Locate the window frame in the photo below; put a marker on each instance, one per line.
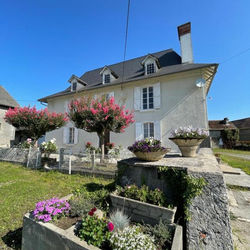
(150, 129)
(150, 68)
(149, 98)
(108, 77)
(71, 139)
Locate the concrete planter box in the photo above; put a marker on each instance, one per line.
(44, 236)
(142, 212)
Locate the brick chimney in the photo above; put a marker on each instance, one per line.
(184, 33)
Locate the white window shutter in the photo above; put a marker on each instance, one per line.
(137, 98)
(157, 95)
(65, 135)
(66, 106)
(157, 130)
(76, 136)
(138, 131)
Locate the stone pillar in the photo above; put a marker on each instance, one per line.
(61, 157)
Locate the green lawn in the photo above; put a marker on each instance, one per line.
(232, 151)
(237, 162)
(21, 188)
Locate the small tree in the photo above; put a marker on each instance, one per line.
(230, 137)
(34, 123)
(100, 116)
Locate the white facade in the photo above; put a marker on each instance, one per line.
(176, 102)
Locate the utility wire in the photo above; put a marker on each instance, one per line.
(236, 55)
(126, 40)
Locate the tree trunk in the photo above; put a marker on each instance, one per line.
(102, 144)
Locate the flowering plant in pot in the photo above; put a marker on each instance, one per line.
(148, 149)
(188, 139)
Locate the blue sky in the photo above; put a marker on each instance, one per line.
(44, 42)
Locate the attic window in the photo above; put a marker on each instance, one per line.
(107, 78)
(74, 84)
(150, 68)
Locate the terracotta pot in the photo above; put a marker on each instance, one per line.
(188, 146)
(152, 156)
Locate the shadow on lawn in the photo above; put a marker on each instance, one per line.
(13, 239)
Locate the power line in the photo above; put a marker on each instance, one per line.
(126, 40)
(236, 55)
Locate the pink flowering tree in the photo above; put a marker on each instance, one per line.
(100, 116)
(34, 123)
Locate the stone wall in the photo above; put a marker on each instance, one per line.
(209, 227)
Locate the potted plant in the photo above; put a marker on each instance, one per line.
(148, 149)
(188, 139)
(48, 148)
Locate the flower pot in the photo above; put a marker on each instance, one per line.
(152, 156)
(188, 146)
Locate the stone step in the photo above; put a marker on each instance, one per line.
(229, 170)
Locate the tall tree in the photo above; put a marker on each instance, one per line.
(34, 123)
(100, 116)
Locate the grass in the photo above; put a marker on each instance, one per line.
(237, 162)
(21, 188)
(231, 151)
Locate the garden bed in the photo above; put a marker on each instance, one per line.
(141, 211)
(49, 236)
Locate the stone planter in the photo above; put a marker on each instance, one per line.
(152, 156)
(44, 236)
(188, 147)
(142, 212)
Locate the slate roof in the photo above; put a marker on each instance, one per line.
(7, 100)
(220, 125)
(169, 60)
(242, 123)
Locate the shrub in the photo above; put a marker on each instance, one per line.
(230, 137)
(51, 209)
(80, 206)
(146, 145)
(120, 220)
(161, 232)
(48, 147)
(132, 238)
(156, 197)
(28, 143)
(95, 231)
(189, 133)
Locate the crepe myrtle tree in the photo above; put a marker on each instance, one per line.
(100, 116)
(35, 123)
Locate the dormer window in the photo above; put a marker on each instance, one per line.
(107, 78)
(74, 85)
(150, 68)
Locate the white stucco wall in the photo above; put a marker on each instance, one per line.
(7, 132)
(181, 105)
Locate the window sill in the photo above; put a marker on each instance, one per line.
(147, 110)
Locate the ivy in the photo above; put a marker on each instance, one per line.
(184, 187)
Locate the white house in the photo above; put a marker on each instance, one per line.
(165, 90)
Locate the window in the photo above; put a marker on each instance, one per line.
(148, 98)
(71, 135)
(148, 129)
(107, 78)
(74, 84)
(150, 68)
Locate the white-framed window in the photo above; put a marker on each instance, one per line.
(74, 86)
(71, 135)
(107, 78)
(148, 129)
(150, 68)
(148, 98)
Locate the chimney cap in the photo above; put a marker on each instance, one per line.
(184, 29)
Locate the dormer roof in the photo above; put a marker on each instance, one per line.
(111, 71)
(152, 57)
(79, 80)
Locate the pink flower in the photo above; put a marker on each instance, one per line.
(110, 226)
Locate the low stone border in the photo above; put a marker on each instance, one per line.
(143, 212)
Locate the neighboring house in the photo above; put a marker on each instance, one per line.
(163, 88)
(7, 132)
(244, 129)
(215, 128)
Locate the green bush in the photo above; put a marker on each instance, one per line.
(80, 206)
(230, 137)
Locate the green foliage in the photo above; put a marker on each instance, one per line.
(183, 186)
(80, 206)
(48, 147)
(162, 233)
(230, 137)
(143, 194)
(94, 231)
(120, 220)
